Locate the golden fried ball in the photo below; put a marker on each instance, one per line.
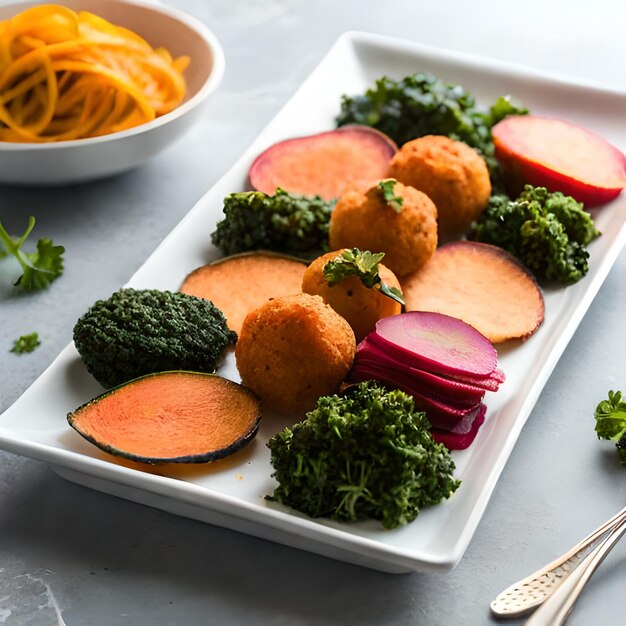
(408, 236)
(451, 173)
(359, 305)
(292, 350)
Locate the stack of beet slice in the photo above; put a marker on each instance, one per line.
(445, 364)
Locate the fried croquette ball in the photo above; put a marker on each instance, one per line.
(292, 350)
(359, 305)
(406, 233)
(451, 173)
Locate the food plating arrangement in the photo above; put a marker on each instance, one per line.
(358, 292)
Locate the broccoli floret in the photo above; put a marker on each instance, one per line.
(421, 104)
(137, 332)
(610, 418)
(546, 231)
(364, 454)
(284, 222)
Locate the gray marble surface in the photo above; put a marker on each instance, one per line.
(71, 555)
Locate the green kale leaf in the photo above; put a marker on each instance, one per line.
(285, 222)
(610, 418)
(364, 454)
(26, 343)
(547, 232)
(39, 268)
(364, 265)
(422, 104)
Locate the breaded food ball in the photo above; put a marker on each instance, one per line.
(292, 350)
(359, 305)
(406, 232)
(451, 173)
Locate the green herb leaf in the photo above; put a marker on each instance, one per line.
(547, 232)
(26, 343)
(285, 222)
(389, 196)
(421, 104)
(364, 265)
(610, 418)
(41, 267)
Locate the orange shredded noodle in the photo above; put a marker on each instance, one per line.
(67, 75)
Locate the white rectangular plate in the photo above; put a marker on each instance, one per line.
(231, 493)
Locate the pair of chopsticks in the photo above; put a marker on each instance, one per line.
(556, 587)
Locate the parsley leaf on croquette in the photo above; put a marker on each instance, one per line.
(364, 265)
(389, 196)
(364, 454)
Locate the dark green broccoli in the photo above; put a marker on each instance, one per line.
(364, 454)
(610, 418)
(284, 222)
(422, 104)
(137, 332)
(547, 232)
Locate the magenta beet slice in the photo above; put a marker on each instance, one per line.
(456, 441)
(370, 353)
(408, 382)
(437, 343)
(422, 402)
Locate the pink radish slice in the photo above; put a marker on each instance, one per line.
(437, 343)
(369, 353)
(454, 441)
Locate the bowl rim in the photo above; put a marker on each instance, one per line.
(213, 80)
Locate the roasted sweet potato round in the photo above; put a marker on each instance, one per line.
(452, 174)
(240, 283)
(481, 284)
(359, 305)
(407, 234)
(292, 350)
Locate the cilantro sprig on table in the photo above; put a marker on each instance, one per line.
(40, 267)
(26, 343)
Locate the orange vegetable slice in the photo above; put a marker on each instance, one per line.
(171, 417)
(482, 285)
(240, 283)
(326, 164)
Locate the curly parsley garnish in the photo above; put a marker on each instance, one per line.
(611, 422)
(362, 264)
(367, 453)
(26, 343)
(41, 267)
(389, 196)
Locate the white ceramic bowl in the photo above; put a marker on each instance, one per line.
(88, 159)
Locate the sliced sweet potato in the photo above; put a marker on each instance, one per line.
(480, 284)
(560, 156)
(171, 417)
(325, 164)
(240, 283)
